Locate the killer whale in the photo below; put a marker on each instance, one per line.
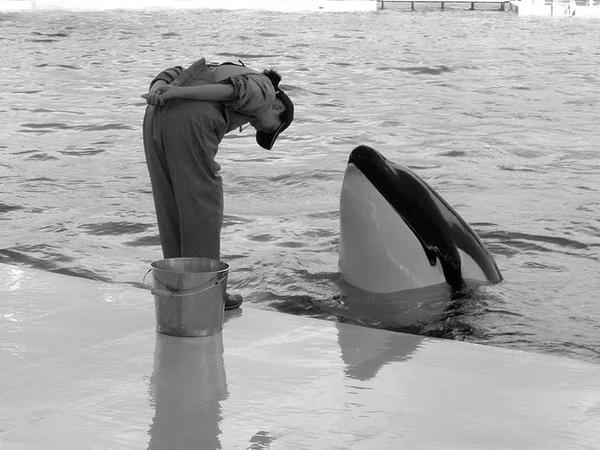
(398, 234)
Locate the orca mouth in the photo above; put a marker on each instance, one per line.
(439, 229)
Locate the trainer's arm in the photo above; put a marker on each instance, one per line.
(205, 93)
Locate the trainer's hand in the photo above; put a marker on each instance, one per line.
(158, 95)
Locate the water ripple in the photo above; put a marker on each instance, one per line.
(4, 208)
(434, 70)
(56, 126)
(114, 228)
(525, 241)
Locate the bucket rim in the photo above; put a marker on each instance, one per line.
(224, 266)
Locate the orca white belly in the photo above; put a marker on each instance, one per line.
(378, 251)
(398, 234)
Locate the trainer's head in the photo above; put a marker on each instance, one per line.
(276, 119)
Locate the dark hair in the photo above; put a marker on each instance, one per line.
(274, 77)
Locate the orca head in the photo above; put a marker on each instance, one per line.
(397, 233)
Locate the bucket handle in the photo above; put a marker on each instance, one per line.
(196, 291)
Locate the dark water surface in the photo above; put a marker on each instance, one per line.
(498, 113)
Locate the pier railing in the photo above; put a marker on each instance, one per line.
(503, 3)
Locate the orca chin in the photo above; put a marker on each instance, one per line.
(398, 234)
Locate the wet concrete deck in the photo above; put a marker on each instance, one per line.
(82, 367)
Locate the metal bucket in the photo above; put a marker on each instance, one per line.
(189, 296)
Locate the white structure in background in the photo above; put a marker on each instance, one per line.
(272, 5)
(555, 8)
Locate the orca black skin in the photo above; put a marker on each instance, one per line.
(440, 230)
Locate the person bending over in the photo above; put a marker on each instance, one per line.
(188, 114)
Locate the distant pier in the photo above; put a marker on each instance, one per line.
(502, 3)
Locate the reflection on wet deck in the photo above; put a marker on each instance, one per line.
(81, 367)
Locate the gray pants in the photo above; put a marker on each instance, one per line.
(181, 140)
